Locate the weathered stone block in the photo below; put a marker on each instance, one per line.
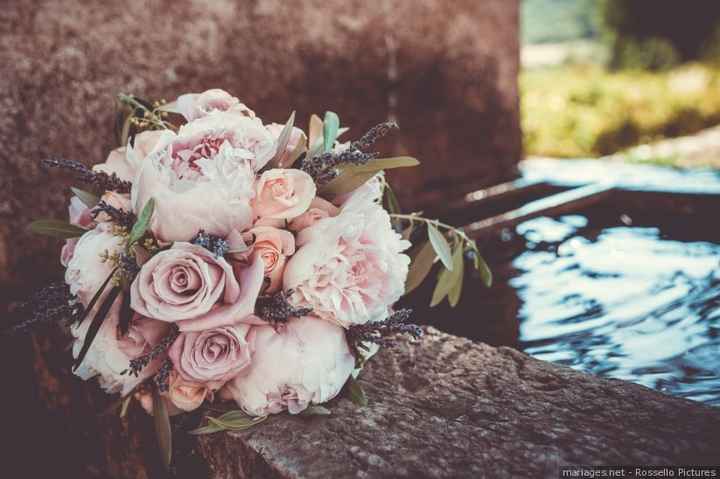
(446, 70)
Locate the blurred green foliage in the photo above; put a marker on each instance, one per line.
(580, 111)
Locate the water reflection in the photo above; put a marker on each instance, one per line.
(637, 302)
(626, 303)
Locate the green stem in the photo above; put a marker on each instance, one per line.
(456, 231)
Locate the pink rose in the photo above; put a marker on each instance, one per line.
(143, 334)
(213, 356)
(319, 209)
(283, 194)
(349, 269)
(183, 282)
(187, 284)
(197, 105)
(87, 270)
(297, 140)
(305, 361)
(110, 354)
(185, 395)
(203, 177)
(272, 246)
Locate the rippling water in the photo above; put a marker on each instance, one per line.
(627, 302)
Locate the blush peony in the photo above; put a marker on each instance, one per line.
(203, 177)
(197, 105)
(305, 361)
(110, 354)
(350, 268)
(86, 269)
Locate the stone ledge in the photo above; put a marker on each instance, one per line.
(447, 407)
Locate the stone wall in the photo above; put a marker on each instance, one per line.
(446, 70)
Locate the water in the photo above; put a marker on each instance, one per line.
(638, 303)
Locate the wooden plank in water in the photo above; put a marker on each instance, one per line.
(560, 203)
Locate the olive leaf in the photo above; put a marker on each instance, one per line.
(459, 273)
(357, 394)
(331, 124)
(238, 421)
(96, 296)
(485, 274)
(353, 176)
(209, 429)
(442, 247)
(125, 405)
(96, 324)
(300, 148)
(282, 141)
(420, 267)
(315, 131)
(449, 279)
(141, 225)
(126, 314)
(161, 418)
(56, 229)
(88, 199)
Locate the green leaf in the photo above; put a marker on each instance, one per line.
(96, 296)
(357, 394)
(442, 247)
(236, 423)
(459, 273)
(316, 410)
(56, 229)
(379, 164)
(420, 267)
(331, 124)
(315, 139)
(142, 223)
(89, 199)
(393, 205)
(442, 287)
(282, 141)
(485, 274)
(353, 176)
(295, 154)
(209, 429)
(161, 418)
(125, 405)
(96, 324)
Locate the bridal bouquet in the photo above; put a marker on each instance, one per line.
(215, 257)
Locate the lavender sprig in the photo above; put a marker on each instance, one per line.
(101, 180)
(51, 303)
(162, 377)
(215, 244)
(378, 332)
(120, 217)
(275, 308)
(324, 167)
(139, 363)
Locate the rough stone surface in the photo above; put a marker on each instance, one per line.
(446, 70)
(446, 407)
